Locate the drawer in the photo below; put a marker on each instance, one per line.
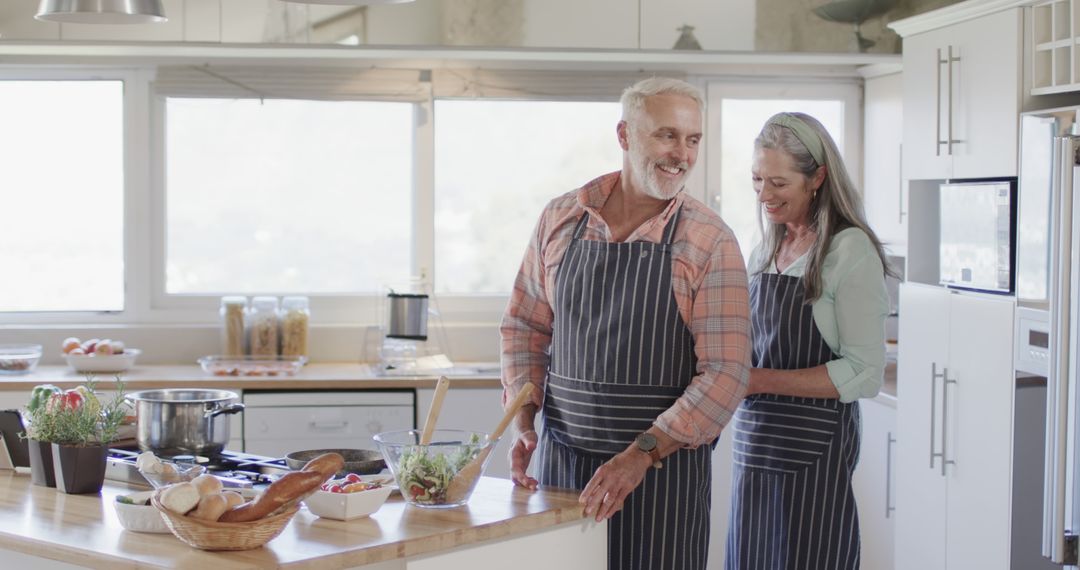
(324, 423)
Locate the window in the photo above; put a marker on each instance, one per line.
(497, 163)
(736, 115)
(287, 196)
(62, 190)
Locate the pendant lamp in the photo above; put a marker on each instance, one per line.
(101, 11)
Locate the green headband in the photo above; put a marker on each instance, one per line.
(803, 132)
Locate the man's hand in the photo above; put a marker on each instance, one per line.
(613, 482)
(520, 456)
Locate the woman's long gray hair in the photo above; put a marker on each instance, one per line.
(835, 207)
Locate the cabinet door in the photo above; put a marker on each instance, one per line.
(979, 417)
(986, 89)
(925, 107)
(477, 409)
(920, 486)
(874, 483)
(882, 183)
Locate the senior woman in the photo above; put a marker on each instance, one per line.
(818, 307)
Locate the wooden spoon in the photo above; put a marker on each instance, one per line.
(433, 411)
(466, 477)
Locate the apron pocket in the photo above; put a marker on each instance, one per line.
(777, 433)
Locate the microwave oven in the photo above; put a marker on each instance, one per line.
(977, 234)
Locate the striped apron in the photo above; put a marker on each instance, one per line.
(792, 505)
(620, 356)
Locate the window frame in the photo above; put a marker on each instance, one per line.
(134, 81)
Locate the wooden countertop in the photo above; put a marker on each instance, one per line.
(84, 530)
(316, 376)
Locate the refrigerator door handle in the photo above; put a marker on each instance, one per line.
(1057, 381)
(945, 461)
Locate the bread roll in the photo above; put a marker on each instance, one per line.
(234, 499)
(291, 487)
(210, 507)
(207, 484)
(180, 498)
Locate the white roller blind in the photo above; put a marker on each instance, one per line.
(311, 83)
(537, 84)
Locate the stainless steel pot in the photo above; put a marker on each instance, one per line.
(184, 421)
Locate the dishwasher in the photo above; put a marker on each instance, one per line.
(279, 422)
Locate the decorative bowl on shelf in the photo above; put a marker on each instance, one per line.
(435, 475)
(19, 358)
(252, 365)
(103, 362)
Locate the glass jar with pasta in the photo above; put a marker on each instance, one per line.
(294, 326)
(233, 310)
(263, 326)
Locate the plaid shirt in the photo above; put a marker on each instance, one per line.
(710, 286)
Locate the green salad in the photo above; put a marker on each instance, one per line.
(426, 478)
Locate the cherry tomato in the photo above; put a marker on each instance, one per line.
(352, 478)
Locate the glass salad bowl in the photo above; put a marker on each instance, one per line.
(438, 475)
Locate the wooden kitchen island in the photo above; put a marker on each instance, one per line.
(41, 527)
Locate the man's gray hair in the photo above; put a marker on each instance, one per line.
(633, 98)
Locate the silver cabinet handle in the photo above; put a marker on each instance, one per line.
(951, 140)
(340, 424)
(937, 104)
(933, 411)
(889, 441)
(945, 419)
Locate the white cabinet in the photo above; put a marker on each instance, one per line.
(886, 209)
(962, 97)
(954, 420)
(478, 409)
(874, 482)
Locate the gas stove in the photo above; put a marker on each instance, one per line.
(235, 469)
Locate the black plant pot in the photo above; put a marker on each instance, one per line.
(79, 470)
(41, 463)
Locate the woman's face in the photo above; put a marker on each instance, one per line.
(783, 191)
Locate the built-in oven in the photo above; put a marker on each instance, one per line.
(279, 422)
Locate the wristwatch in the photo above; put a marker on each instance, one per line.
(646, 442)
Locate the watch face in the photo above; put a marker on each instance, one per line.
(646, 442)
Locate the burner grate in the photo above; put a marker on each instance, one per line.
(235, 469)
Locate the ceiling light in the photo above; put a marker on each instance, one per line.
(349, 2)
(101, 11)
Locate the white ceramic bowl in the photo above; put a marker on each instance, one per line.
(346, 506)
(103, 363)
(142, 516)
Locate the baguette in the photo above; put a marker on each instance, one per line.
(328, 464)
(289, 488)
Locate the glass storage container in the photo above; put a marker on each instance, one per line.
(233, 309)
(263, 326)
(294, 326)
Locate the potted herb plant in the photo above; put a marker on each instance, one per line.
(79, 427)
(40, 432)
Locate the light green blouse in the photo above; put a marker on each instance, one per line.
(850, 313)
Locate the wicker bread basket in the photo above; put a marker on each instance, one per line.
(212, 535)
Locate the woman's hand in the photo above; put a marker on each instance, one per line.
(613, 482)
(520, 456)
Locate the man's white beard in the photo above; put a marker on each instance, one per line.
(646, 178)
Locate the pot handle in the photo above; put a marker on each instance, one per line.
(230, 409)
